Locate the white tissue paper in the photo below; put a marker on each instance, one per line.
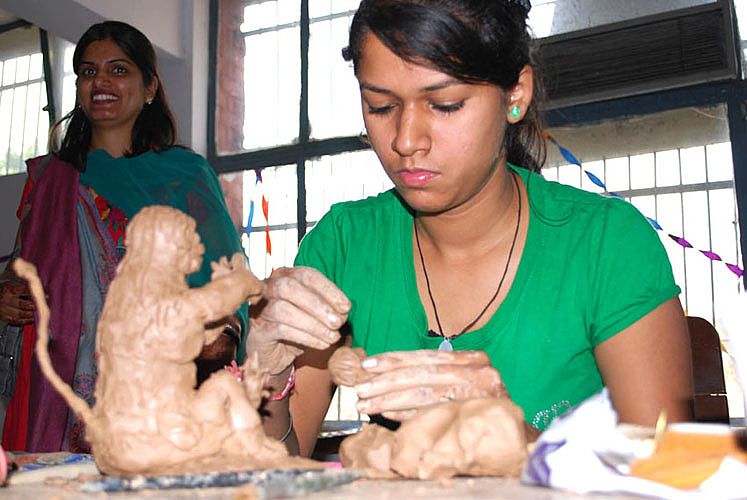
(585, 451)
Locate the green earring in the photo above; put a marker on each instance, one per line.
(515, 112)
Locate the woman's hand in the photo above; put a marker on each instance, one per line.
(16, 306)
(300, 309)
(403, 382)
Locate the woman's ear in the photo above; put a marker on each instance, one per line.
(519, 97)
(151, 89)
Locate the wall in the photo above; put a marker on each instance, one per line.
(679, 128)
(179, 32)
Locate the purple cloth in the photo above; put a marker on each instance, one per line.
(49, 240)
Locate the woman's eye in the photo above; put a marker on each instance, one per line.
(119, 70)
(380, 110)
(449, 108)
(87, 72)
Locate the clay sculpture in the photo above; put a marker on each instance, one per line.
(148, 418)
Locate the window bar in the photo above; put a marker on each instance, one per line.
(304, 127)
(656, 182)
(710, 239)
(13, 25)
(630, 180)
(10, 129)
(738, 248)
(50, 107)
(682, 218)
(25, 114)
(604, 173)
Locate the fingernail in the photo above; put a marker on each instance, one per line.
(369, 363)
(363, 388)
(333, 318)
(362, 405)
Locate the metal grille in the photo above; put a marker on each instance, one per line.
(690, 192)
(23, 121)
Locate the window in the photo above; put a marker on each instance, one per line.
(676, 167)
(24, 123)
(24, 114)
(287, 105)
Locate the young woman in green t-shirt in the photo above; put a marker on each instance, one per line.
(450, 97)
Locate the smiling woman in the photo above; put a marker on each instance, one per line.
(117, 155)
(111, 89)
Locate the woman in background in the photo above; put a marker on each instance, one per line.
(117, 155)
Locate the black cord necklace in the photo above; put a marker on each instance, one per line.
(446, 343)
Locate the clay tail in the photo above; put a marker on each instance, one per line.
(27, 271)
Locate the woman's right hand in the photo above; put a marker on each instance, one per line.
(16, 306)
(300, 309)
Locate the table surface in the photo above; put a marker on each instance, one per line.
(475, 488)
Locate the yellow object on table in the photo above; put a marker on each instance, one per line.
(688, 454)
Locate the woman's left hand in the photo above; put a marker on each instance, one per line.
(402, 382)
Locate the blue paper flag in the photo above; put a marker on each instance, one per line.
(248, 228)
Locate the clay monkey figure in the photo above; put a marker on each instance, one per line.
(148, 418)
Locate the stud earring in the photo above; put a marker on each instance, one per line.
(515, 112)
(149, 101)
(363, 137)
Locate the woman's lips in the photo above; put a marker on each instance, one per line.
(415, 178)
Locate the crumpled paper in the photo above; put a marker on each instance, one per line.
(585, 451)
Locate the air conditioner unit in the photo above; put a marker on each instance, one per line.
(664, 51)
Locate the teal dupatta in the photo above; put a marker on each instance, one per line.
(175, 177)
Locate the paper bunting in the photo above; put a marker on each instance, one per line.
(265, 212)
(570, 158)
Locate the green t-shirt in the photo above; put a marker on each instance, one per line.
(591, 267)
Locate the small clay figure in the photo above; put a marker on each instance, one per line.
(475, 437)
(148, 418)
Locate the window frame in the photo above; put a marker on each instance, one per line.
(292, 154)
(47, 78)
(731, 93)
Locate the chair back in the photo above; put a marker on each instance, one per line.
(709, 402)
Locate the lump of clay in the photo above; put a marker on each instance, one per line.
(473, 437)
(148, 418)
(345, 366)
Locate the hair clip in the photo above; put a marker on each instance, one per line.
(526, 5)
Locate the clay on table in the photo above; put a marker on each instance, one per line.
(472, 437)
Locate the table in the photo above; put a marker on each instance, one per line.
(473, 488)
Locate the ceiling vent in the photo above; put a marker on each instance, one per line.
(664, 51)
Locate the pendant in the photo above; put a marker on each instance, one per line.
(445, 345)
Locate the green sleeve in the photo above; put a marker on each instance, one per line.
(323, 249)
(630, 273)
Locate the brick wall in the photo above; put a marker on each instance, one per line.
(229, 113)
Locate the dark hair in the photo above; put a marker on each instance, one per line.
(476, 41)
(154, 127)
